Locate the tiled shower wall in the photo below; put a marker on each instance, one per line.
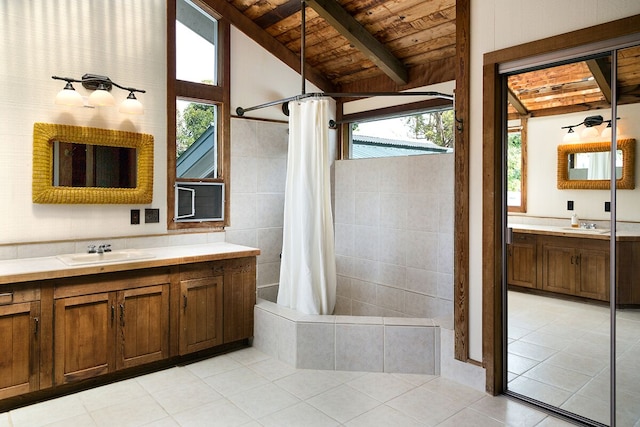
(258, 174)
(393, 224)
(394, 236)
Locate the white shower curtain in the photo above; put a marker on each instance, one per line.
(308, 269)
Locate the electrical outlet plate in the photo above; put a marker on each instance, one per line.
(135, 216)
(569, 205)
(151, 215)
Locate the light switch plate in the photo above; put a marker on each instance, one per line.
(151, 215)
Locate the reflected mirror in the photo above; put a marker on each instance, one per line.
(73, 164)
(86, 165)
(588, 166)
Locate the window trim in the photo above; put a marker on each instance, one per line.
(524, 123)
(384, 113)
(219, 94)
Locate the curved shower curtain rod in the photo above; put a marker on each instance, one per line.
(240, 111)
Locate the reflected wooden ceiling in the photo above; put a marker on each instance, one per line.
(580, 86)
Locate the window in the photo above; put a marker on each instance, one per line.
(517, 167)
(429, 132)
(198, 116)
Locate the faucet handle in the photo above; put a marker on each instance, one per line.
(106, 248)
(91, 249)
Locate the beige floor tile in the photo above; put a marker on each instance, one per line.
(382, 387)
(134, 413)
(546, 340)
(343, 403)
(299, 415)
(558, 377)
(470, 418)
(248, 356)
(186, 395)
(4, 420)
(164, 422)
(221, 413)
(383, 416)
(425, 406)
(539, 391)
(508, 411)
(111, 394)
(272, 369)
(264, 400)
(416, 379)
(594, 409)
(574, 362)
(165, 379)
(551, 421)
(454, 390)
(48, 412)
(531, 351)
(213, 366)
(235, 381)
(307, 383)
(518, 364)
(83, 420)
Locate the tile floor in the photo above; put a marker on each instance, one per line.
(248, 388)
(558, 353)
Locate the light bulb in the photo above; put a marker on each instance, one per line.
(571, 136)
(131, 105)
(589, 132)
(68, 96)
(101, 97)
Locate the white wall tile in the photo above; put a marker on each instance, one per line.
(359, 347)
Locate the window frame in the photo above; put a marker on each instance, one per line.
(219, 94)
(523, 167)
(347, 120)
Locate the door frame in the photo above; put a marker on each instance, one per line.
(493, 257)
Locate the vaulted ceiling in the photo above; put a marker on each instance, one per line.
(393, 45)
(355, 45)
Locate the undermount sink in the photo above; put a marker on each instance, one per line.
(113, 256)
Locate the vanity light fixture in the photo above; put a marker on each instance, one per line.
(100, 97)
(588, 132)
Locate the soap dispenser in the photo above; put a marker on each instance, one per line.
(574, 221)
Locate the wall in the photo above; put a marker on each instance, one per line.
(394, 236)
(258, 174)
(119, 39)
(496, 24)
(543, 197)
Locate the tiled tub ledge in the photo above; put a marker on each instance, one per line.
(348, 343)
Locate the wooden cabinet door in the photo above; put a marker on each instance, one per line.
(20, 348)
(593, 265)
(521, 261)
(239, 299)
(84, 337)
(143, 325)
(200, 315)
(558, 269)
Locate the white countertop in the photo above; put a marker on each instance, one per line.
(598, 233)
(42, 268)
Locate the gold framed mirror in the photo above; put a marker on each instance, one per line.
(47, 187)
(578, 165)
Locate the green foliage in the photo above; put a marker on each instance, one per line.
(435, 127)
(514, 162)
(193, 122)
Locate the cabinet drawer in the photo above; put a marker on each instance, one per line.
(17, 294)
(202, 270)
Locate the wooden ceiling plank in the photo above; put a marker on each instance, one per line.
(515, 102)
(351, 29)
(257, 34)
(281, 12)
(600, 69)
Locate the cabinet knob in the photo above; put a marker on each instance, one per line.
(184, 302)
(121, 314)
(36, 322)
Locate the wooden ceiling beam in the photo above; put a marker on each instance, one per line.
(273, 46)
(281, 12)
(515, 102)
(601, 71)
(357, 35)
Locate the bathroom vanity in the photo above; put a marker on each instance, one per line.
(62, 325)
(573, 262)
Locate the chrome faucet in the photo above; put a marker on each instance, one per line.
(104, 248)
(99, 250)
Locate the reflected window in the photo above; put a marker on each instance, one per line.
(516, 167)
